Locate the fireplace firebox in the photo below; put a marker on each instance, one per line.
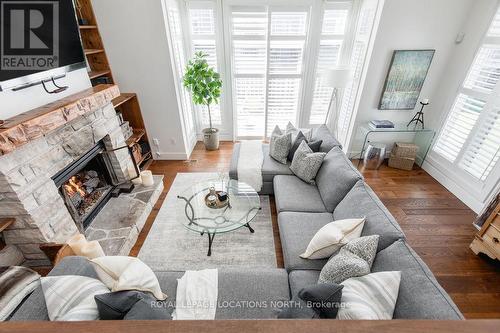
(86, 185)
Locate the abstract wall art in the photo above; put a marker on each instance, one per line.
(405, 79)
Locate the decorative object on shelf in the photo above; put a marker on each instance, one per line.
(419, 116)
(137, 152)
(374, 156)
(336, 78)
(205, 85)
(405, 78)
(147, 178)
(381, 124)
(487, 239)
(403, 156)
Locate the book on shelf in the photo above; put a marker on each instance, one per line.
(381, 124)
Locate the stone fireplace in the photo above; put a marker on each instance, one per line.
(58, 171)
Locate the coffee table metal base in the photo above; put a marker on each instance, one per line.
(211, 237)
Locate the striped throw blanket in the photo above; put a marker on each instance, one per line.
(15, 284)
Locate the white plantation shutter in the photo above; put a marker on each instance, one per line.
(356, 63)
(267, 49)
(333, 29)
(203, 37)
(179, 55)
(470, 137)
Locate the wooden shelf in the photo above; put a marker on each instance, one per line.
(123, 98)
(144, 157)
(5, 223)
(138, 134)
(87, 27)
(92, 51)
(96, 74)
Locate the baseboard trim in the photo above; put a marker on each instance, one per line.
(453, 187)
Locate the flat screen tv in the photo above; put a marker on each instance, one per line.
(39, 40)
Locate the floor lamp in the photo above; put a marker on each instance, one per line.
(336, 78)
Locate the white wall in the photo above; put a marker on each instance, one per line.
(410, 24)
(135, 40)
(13, 103)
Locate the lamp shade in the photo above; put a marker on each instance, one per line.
(336, 77)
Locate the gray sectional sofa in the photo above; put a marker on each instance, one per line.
(302, 210)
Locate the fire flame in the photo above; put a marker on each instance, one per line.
(72, 187)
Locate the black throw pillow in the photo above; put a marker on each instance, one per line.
(314, 302)
(324, 298)
(114, 306)
(298, 309)
(131, 305)
(295, 145)
(148, 308)
(315, 145)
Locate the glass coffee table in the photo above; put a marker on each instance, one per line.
(194, 213)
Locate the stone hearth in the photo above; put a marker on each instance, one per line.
(35, 146)
(119, 223)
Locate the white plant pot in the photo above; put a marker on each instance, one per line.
(211, 138)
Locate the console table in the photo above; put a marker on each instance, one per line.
(423, 137)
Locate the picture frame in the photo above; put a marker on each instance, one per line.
(405, 78)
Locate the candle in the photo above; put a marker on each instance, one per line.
(147, 178)
(132, 173)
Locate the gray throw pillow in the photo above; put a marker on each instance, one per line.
(306, 163)
(353, 260)
(148, 308)
(315, 145)
(280, 145)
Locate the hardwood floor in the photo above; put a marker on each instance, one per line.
(437, 225)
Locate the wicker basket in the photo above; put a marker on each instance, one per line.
(403, 149)
(403, 163)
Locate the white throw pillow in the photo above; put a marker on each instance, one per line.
(71, 297)
(127, 273)
(370, 297)
(290, 129)
(331, 237)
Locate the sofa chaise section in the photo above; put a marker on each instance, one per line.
(236, 287)
(420, 295)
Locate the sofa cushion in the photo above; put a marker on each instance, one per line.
(335, 178)
(244, 285)
(294, 195)
(329, 140)
(361, 201)
(271, 167)
(420, 295)
(296, 231)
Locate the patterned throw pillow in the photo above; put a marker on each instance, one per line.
(295, 132)
(370, 297)
(280, 145)
(314, 145)
(71, 297)
(354, 259)
(305, 163)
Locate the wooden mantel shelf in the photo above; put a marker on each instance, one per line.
(28, 126)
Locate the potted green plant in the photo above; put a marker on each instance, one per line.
(205, 85)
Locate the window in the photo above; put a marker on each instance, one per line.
(470, 137)
(270, 54)
(178, 59)
(267, 55)
(333, 31)
(203, 36)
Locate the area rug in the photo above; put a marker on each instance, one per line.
(169, 246)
